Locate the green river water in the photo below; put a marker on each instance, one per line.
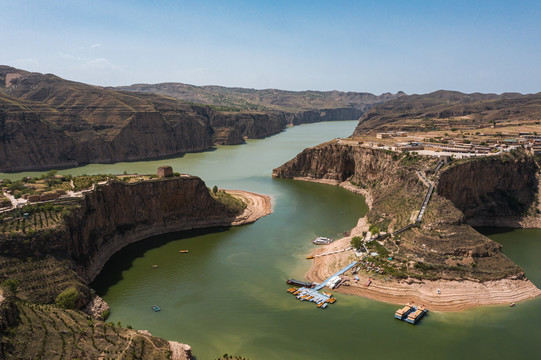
(228, 294)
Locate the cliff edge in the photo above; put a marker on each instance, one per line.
(440, 252)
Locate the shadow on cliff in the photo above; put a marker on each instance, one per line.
(123, 260)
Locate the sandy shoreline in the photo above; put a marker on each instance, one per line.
(454, 295)
(257, 206)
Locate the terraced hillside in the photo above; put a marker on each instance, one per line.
(51, 250)
(48, 332)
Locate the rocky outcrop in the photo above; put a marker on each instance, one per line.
(231, 128)
(493, 191)
(334, 161)
(180, 351)
(325, 114)
(96, 307)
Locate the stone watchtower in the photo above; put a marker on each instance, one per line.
(165, 171)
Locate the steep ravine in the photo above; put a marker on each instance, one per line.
(494, 191)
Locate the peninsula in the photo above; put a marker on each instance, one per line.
(57, 232)
(426, 187)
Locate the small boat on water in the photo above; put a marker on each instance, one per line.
(183, 251)
(155, 308)
(309, 257)
(320, 240)
(300, 283)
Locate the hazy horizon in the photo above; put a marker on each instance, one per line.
(377, 47)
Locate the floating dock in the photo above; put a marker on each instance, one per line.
(400, 314)
(322, 299)
(324, 283)
(410, 313)
(416, 315)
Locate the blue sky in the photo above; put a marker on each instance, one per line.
(374, 46)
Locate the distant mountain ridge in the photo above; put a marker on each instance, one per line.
(49, 122)
(413, 112)
(242, 99)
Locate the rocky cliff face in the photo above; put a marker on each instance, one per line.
(397, 194)
(492, 191)
(117, 214)
(49, 122)
(28, 142)
(325, 114)
(232, 128)
(334, 161)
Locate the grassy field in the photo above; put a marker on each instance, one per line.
(230, 201)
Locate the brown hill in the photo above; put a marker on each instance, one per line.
(48, 122)
(417, 112)
(238, 99)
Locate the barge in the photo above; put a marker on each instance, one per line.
(300, 283)
(416, 315)
(400, 314)
(410, 313)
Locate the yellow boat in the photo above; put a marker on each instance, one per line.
(183, 251)
(309, 257)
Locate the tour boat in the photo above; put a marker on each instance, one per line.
(322, 241)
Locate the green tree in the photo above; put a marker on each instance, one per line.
(356, 242)
(67, 299)
(215, 189)
(105, 314)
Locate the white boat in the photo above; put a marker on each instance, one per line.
(320, 240)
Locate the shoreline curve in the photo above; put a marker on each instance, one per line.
(454, 295)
